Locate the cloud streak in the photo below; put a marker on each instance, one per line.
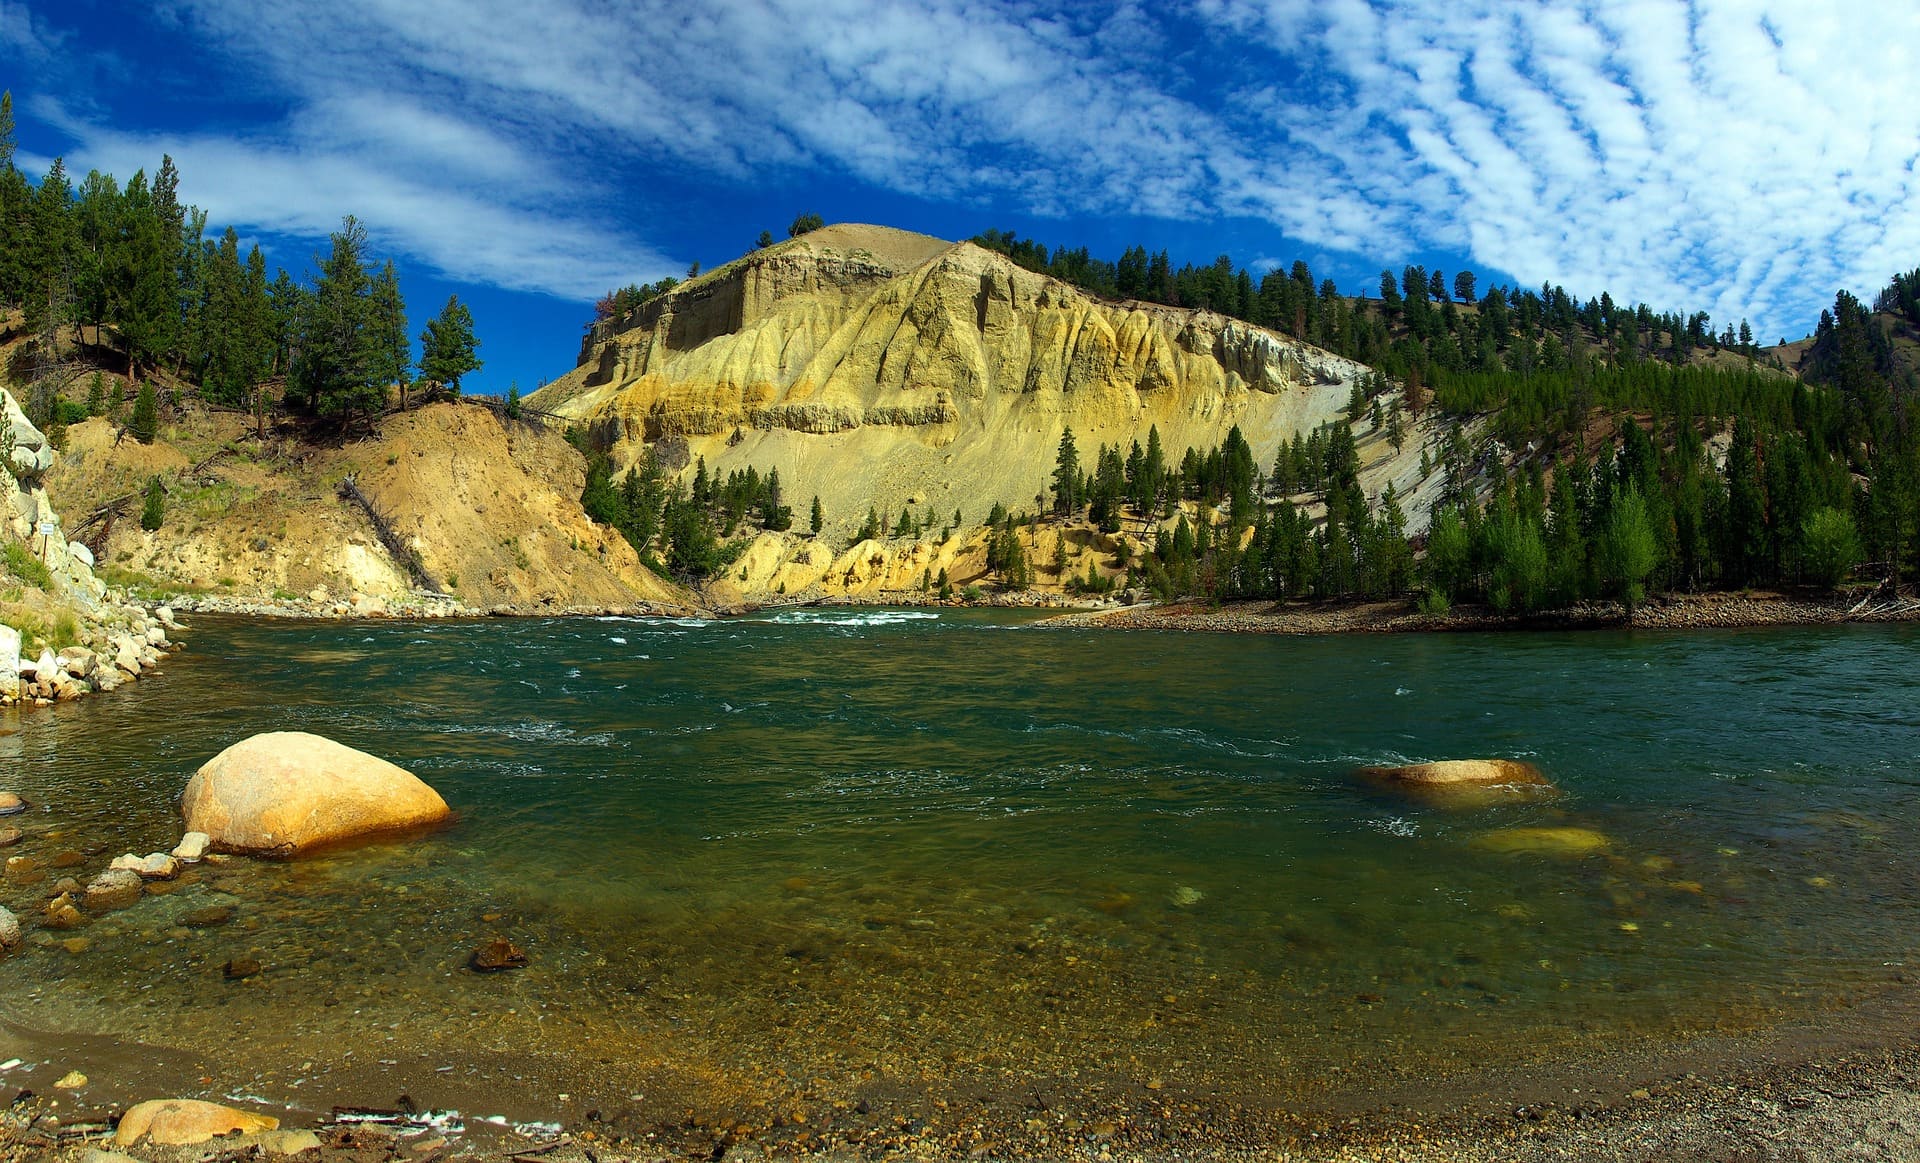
(1745, 156)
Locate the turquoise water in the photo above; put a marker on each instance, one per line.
(959, 850)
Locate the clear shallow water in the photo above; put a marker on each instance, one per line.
(811, 850)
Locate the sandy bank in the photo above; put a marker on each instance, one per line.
(1672, 612)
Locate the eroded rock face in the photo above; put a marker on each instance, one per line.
(32, 455)
(285, 793)
(182, 1122)
(872, 362)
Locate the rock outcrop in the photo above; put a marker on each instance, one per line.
(285, 793)
(873, 366)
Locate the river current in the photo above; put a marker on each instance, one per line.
(959, 852)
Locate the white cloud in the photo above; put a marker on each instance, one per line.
(300, 192)
(24, 36)
(1745, 156)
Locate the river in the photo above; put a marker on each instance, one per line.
(819, 854)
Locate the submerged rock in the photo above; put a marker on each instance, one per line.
(158, 866)
(115, 888)
(1544, 841)
(9, 930)
(183, 1122)
(10, 836)
(240, 968)
(208, 917)
(499, 954)
(62, 913)
(1463, 782)
(288, 792)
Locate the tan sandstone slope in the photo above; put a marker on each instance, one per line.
(876, 367)
(491, 507)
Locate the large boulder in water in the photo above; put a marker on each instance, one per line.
(1463, 782)
(287, 792)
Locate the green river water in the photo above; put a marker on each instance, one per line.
(960, 852)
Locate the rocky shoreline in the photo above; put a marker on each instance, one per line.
(119, 642)
(1846, 1097)
(1713, 611)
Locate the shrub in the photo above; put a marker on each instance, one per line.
(155, 507)
(24, 565)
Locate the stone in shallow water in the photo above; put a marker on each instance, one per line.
(10, 836)
(115, 888)
(11, 803)
(1544, 841)
(183, 1122)
(158, 866)
(192, 847)
(62, 913)
(208, 917)
(499, 954)
(240, 968)
(9, 931)
(1463, 783)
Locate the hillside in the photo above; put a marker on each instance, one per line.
(490, 507)
(878, 368)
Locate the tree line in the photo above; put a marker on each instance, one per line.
(135, 265)
(676, 529)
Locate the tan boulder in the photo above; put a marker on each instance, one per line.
(1463, 782)
(115, 888)
(288, 792)
(182, 1122)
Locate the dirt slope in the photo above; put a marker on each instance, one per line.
(490, 506)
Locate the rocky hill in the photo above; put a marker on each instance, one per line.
(877, 368)
(488, 509)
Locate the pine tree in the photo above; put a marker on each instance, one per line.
(391, 354)
(145, 421)
(447, 346)
(145, 279)
(155, 507)
(818, 520)
(334, 368)
(1066, 476)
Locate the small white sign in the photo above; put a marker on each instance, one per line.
(49, 528)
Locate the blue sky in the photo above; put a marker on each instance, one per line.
(1736, 156)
